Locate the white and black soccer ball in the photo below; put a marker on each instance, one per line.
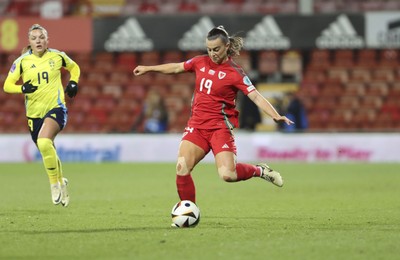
(185, 214)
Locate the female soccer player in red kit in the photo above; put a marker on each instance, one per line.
(213, 116)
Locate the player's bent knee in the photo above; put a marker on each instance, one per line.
(226, 174)
(181, 167)
(44, 144)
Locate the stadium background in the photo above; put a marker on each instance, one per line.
(340, 58)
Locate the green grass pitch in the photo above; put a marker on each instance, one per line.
(122, 211)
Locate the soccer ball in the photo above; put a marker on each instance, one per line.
(185, 214)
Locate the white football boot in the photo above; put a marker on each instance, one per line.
(55, 193)
(270, 175)
(64, 193)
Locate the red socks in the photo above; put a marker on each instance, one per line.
(187, 190)
(246, 171)
(185, 186)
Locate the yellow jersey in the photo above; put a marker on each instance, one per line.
(45, 73)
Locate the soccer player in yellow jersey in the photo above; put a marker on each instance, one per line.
(40, 68)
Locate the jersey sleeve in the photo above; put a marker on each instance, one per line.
(13, 76)
(244, 84)
(190, 65)
(72, 67)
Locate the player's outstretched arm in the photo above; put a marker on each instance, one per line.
(167, 68)
(11, 87)
(265, 106)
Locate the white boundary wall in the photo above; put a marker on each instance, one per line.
(252, 147)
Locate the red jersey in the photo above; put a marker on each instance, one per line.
(214, 99)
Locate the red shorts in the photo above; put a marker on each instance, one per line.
(217, 140)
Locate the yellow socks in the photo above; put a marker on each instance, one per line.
(50, 159)
(59, 171)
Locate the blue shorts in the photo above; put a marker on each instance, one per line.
(59, 114)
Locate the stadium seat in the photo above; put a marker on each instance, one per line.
(308, 97)
(371, 5)
(314, 75)
(322, 6)
(76, 118)
(191, 54)
(247, 6)
(184, 90)
(383, 74)
(3, 95)
(126, 61)
(268, 65)
(174, 103)
(104, 56)
(188, 6)
(97, 76)
(377, 88)
(134, 91)
(291, 66)
(122, 122)
(338, 73)
(23, 8)
(318, 120)
(394, 91)
(308, 102)
(112, 89)
(354, 88)
(185, 78)
(118, 77)
(371, 102)
(383, 122)
(172, 56)
(332, 90)
(12, 104)
(391, 107)
(389, 58)
(325, 103)
(150, 58)
(166, 80)
(366, 58)
(343, 58)
(364, 118)
(360, 74)
(349, 102)
(319, 59)
(84, 60)
(148, 7)
(81, 104)
(146, 79)
(340, 120)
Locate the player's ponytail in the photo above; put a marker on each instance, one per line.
(26, 48)
(236, 45)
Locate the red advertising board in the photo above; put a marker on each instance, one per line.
(67, 34)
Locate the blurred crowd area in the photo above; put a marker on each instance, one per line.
(62, 8)
(341, 90)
